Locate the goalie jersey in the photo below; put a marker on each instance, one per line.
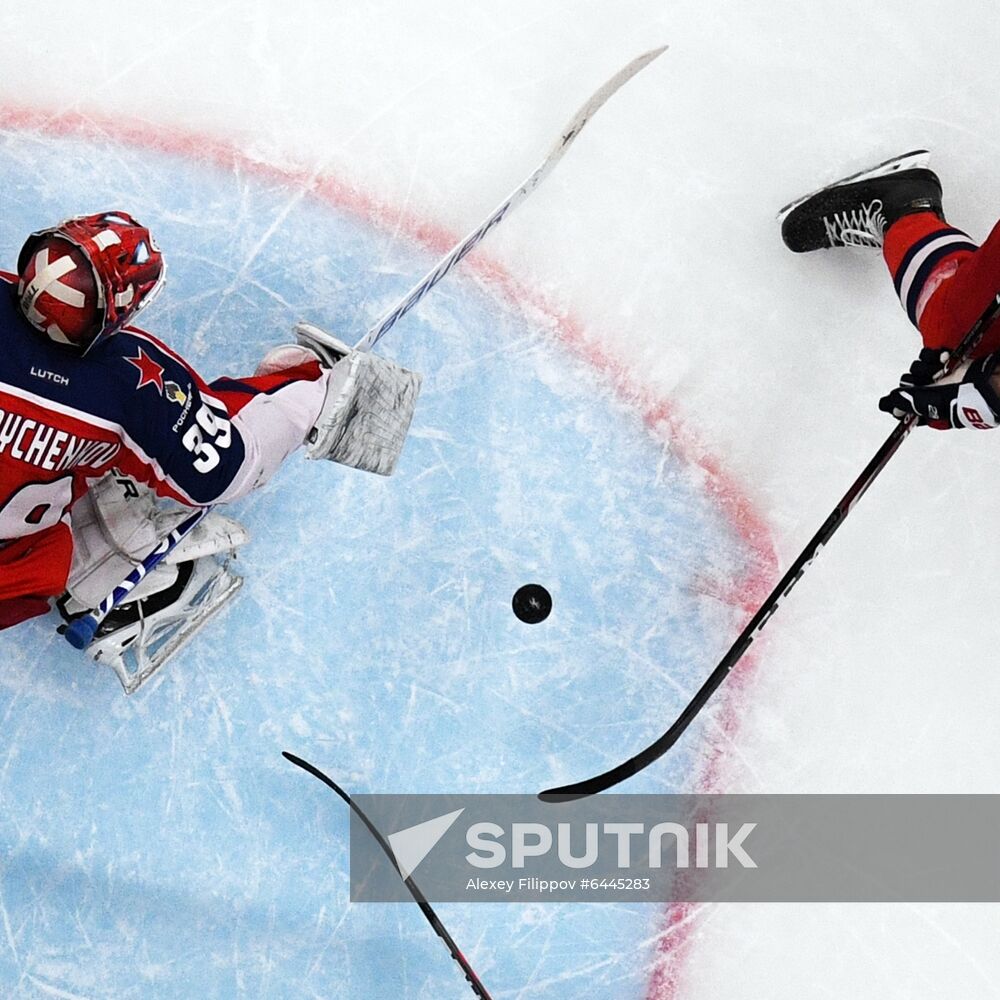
(130, 405)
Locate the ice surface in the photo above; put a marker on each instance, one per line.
(655, 253)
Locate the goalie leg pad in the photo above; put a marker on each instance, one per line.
(117, 522)
(366, 413)
(114, 526)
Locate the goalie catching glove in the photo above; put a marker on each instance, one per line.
(970, 401)
(368, 407)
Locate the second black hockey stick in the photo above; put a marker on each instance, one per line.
(421, 901)
(656, 749)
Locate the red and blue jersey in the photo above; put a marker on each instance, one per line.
(133, 405)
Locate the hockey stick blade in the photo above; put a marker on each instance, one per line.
(656, 749)
(428, 911)
(467, 245)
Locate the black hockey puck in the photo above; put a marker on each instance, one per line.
(532, 603)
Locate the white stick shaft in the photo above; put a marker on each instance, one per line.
(555, 154)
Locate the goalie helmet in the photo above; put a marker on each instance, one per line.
(83, 280)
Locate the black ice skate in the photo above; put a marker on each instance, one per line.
(857, 210)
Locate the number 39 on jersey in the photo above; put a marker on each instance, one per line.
(208, 435)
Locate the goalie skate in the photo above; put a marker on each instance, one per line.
(139, 637)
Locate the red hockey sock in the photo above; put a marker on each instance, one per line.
(944, 281)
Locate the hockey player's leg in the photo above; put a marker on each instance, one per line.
(943, 280)
(857, 210)
(33, 569)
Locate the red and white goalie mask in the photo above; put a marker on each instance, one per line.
(83, 280)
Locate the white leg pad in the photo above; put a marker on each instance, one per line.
(117, 523)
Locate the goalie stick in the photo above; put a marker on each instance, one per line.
(81, 631)
(421, 901)
(554, 155)
(656, 749)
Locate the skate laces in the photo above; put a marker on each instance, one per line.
(862, 227)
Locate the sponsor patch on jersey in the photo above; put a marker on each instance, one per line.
(175, 393)
(48, 376)
(183, 399)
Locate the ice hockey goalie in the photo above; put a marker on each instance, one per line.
(107, 436)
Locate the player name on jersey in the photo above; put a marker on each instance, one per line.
(46, 447)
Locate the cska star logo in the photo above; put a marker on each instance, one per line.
(150, 373)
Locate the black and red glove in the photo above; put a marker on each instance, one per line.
(972, 402)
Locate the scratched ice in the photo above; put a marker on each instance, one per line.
(160, 846)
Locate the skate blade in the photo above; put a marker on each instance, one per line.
(907, 161)
(147, 663)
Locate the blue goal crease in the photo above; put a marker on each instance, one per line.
(159, 846)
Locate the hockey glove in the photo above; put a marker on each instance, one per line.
(973, 402)
(928, 368)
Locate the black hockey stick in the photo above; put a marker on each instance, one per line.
(418, 896)
(602, 782)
